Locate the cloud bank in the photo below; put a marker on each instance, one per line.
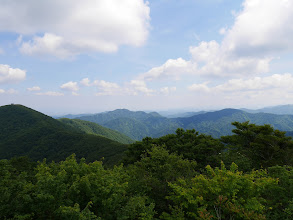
(11, 75)
(69, 27)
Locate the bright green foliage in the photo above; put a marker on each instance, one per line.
(155, 170)
(260, 144)
(279, 198)
(193, 146)
(70, 190)
(220, 194)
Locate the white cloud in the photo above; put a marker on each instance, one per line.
(50, 93)
(9, 91)
(69, 27)
(1, 51)
(171, 69)
(11, 75)
(214, 60)
(34, 88)
(85, 82)
(262, 31)
(106, 88)
(256, 91)
(138, 86)
(70, 86)
(167, 90)
(262, 28)
(276, 82)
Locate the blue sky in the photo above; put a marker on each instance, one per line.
(90, 56)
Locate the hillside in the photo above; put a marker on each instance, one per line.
(135, 125)
(24, 131)
(278, 110)
(96, 129)
(138, 125)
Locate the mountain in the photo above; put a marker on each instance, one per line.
(135, 125)
(279, 110)
(96, 129)
(138, 125)
(70, 116)
(218, 123)
(24, 131)
(185, 114)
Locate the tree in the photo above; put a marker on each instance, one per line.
(261, 144)
(220, 194)
(204, 149)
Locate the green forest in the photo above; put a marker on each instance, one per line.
(186, 175)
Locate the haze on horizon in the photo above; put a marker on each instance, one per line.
(92, 56)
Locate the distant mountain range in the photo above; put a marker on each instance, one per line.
(278, 110)
(138, 125)
(24, 131)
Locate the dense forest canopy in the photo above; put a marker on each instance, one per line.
(187, 175)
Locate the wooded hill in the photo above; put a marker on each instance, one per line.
(24, 131)
(138, 125)
(96, 129)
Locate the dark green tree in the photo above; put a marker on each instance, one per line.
(259, 146)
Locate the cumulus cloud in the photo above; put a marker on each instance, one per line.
(85, 82)
(274, 82)
(34, 88)
(167, 90)
(9, 91)
(171, 69)
(262, 31)
(70, 86)
(106, 88)
(136, 87)
(11, 75)
(50, 93)
(69, 27)
(269, 90)
(263, 27)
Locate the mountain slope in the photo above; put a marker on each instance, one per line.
(24, 131)
(96, 129)
(135, 125)
(138, 125)
(278, 110)
(218, 123)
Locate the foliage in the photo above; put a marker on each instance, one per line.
(220, 194)
(190, 144)
(155, 170)
(70, 190)
(261, 144)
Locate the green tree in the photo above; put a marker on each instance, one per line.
(259, 146)
(157, 168)
(190, 144)
(220, 194)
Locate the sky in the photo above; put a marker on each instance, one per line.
(90, 56)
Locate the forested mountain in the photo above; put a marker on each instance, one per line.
(24, 131)
(247, 175)
(135, 125)
(278, 110)
(138, 125)
(96, 129)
